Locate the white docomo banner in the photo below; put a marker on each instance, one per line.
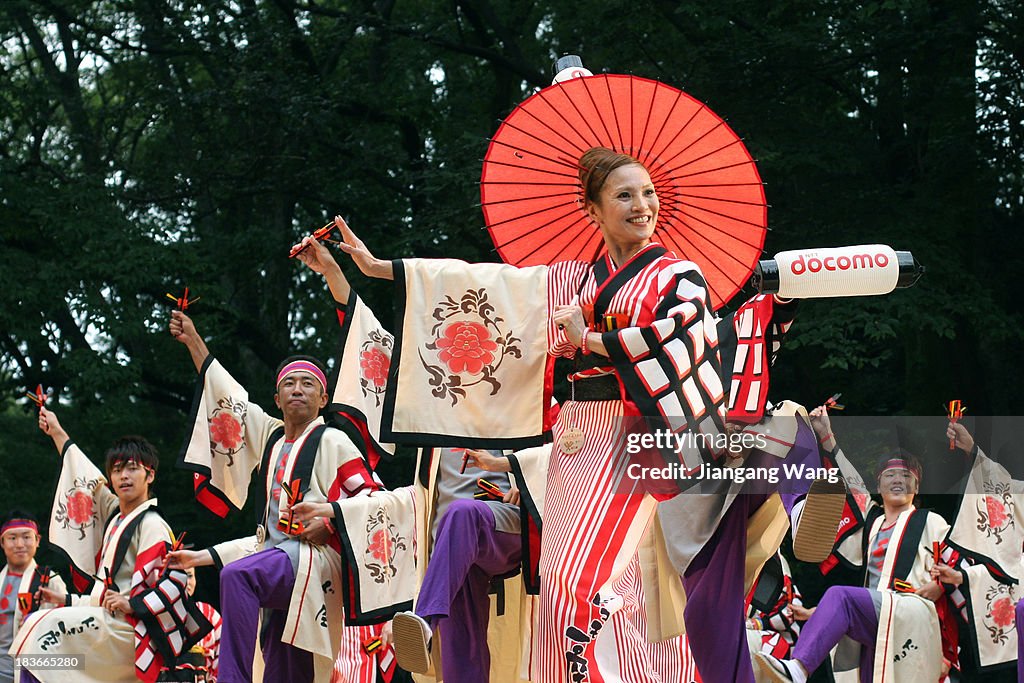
(862, 270)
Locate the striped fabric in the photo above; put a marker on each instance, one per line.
(665, 357)
(353, 664)
(591, 622)
(591, 625)
(211, 641)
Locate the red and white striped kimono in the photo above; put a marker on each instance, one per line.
(211, 641)
(365, 659)
(662, 344)
(664, 357)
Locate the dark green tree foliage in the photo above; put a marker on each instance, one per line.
(150, 144)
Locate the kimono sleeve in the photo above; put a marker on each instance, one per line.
(670, 369)
(749, 341)
(340, 470)
(361, 374)
(529, 471)
(470, 337)
(166, 621)
(82, 504)
(226, 440)
(565, 280)
(227, 552)
(989, 526)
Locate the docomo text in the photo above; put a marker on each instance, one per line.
(804, 264)
(666, 439)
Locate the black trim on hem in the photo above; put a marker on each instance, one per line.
(529, 517)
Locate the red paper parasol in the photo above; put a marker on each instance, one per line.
(713, 210)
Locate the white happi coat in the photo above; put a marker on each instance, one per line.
(229, 437)
(56, 584)
(908, 644)
(108, 642)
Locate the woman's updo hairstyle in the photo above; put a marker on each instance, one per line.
(594, 167)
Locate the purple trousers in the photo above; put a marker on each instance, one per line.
(843, 611)
(468, 552)
(1020, 641)
(263, 580)
(714, 613)
(715, 601)
(714, 581)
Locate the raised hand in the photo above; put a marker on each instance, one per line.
(820, 421)
(184, 330)
(48, 422)
(822, 426)
(960, 437)
(50, 425)
(314, 255)
(317, 257)
(361, 256)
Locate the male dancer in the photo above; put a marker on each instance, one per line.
(291, 571)
(893, 616)
(131, 614)
(20, 580)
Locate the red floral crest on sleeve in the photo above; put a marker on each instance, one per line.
(470, 342)
(79, 506)
(466, 347)
(1003, 612)
(996, 512)
(225, 430)
(374, 365)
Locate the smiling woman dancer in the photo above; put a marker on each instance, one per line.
(638, 324)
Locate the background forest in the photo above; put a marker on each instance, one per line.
(150, 144)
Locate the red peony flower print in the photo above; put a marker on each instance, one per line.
(374, 365)
(225, 430)
(79, 506)
(862, 501)
(380, 546)
(1002, 612)
(466, 347)
(996, 512)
